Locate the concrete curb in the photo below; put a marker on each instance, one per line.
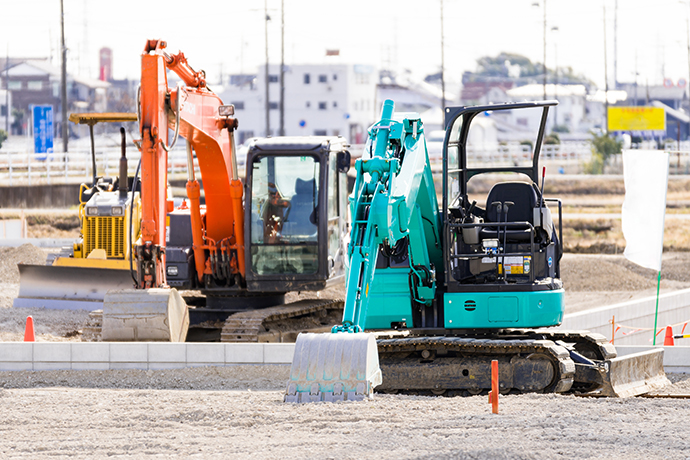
(40, 356)
(38, 242)
(674, 308)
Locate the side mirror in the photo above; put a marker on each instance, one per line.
(343, 161)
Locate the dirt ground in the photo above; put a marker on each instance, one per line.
(238, 411)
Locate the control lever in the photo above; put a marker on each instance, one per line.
(506, 206)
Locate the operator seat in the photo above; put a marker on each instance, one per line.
(302, 218)
(525, 198)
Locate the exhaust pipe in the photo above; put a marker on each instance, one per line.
(123, 165)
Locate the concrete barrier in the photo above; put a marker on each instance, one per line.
(674, 308)
(39, 356)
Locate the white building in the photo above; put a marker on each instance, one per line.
(5, 109)
(571, 111)
(335, 99)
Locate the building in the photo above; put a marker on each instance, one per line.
(5, 109)
(320, 99)
(37, 82)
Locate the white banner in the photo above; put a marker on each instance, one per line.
(644, 208)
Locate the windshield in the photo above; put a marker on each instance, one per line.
(284, 213)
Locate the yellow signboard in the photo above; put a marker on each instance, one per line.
(637, 119)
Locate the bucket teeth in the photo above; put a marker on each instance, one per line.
(333, 367)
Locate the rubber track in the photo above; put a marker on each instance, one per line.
(564, 368)
(246, 325)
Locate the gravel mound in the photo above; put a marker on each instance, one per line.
(24, 254)
(600, 274)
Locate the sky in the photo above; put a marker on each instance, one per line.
(228, 36)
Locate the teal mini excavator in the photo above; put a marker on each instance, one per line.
(434, 294)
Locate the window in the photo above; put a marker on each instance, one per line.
(239, 105)
(308, 104)
(273, 78)
(335, 76)
(320, 132)
(285, 195)
(34, 85)
(323, 79)
(14, 85)
(335, 104)
(322, 105)
(273, 105)
(307, 79)
(3, 111)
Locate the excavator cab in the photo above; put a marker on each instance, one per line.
(295, 213)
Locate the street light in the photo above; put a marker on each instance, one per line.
(536, 4)
(554, 32)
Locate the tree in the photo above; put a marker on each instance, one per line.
(522, 70)
(3, 136)
(603, 147)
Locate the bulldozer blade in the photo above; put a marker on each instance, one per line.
(140, 315)
(69, 288)
(333, 367)
(633, 375)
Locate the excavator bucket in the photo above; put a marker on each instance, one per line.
(66, 287)
(633, 374)
(158, 315)
(333, 367)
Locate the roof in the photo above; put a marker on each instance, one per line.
(36, 67)
(535, 90)
(294, 143)
(677, 114)
(614, 96)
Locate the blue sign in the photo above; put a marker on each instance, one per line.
(43, 131)
(302, 123)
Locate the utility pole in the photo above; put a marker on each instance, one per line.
(268, 105)
(7, 90)
(606, 79)
(443, 81)
(63, 83)
(282, 68)
(615, 45)
(687, 23)
(544, 49)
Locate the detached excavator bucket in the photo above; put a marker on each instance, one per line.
(145, 315)
(634, 374)
(333, 367)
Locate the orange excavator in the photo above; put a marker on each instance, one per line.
(248, 244)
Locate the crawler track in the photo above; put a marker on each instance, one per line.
(282, 323)
(530, 360)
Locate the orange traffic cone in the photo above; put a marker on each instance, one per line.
(29, 335)
(668, 340)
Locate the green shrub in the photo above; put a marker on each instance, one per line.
(603, 147)
(3, 136)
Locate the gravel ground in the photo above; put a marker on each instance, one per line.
(219, 412)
